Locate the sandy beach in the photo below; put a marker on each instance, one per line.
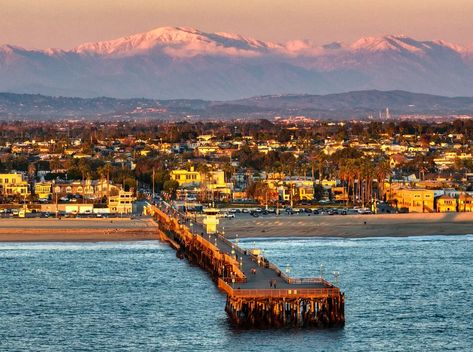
(76, 230)
(353, 226)
(350, 226)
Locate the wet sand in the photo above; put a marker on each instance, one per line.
(350, 226)
(76, 230)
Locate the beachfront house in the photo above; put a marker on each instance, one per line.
(465, 203)
(446, 204)
(413, 200)
(122, 203)
(13, 185)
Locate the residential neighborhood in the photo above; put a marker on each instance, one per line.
(98, 167)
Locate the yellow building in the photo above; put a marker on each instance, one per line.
(446, 204)
(340, 193)
(205, 150)
(42, 189)
(465, 203)
(121, 203)
(213, 182)
(13, 185)
(415, 200)
(300, 190)
(186, 178)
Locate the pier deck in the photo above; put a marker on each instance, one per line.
(259, 294)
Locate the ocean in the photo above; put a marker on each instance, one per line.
(402, 294)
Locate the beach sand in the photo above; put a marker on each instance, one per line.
(352, 226)
(77, 230)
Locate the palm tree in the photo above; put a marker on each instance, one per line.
(350, 176)
(382, 171)
(104, 173)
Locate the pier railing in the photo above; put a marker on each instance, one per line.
(312, 280)
(280, 273)
(279, 293)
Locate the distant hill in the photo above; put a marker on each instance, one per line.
(182, 62)
(358, 104)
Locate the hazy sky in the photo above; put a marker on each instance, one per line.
(67, 23)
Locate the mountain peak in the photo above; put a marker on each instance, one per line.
(179, 42)
(387, 43)
(401, 43)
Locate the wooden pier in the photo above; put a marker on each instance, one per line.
(259, 294)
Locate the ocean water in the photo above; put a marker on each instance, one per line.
(406, 294)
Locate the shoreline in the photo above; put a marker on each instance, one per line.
(77, 230)
(265, 227)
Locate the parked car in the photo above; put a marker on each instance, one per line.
(364, 211)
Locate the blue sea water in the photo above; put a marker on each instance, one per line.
(402, 294)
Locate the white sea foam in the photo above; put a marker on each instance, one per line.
(67, 246)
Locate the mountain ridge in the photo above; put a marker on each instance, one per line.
(358, 104)
(184, 62)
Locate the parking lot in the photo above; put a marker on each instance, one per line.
(287, 211)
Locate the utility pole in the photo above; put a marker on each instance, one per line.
(153, 181)
(292, 194)
(57, 210)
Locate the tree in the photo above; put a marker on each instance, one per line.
(171, 186)
(382, 171)
(84, 169)
(262, 192)
(31, 170)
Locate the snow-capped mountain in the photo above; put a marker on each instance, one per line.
(182, 62)
(178, 42)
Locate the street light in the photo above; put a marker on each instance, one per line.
(288, 269)
(337, 275)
